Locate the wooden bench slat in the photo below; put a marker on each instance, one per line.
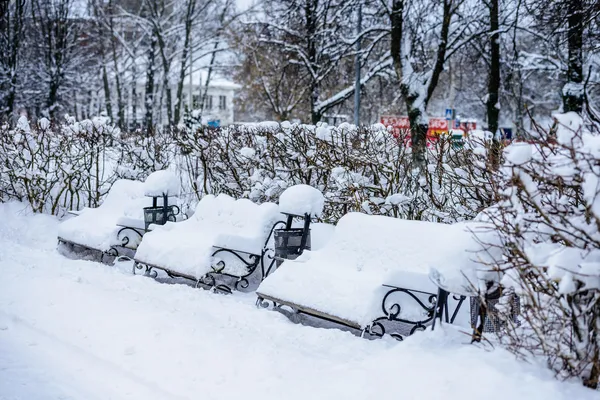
(312, 311)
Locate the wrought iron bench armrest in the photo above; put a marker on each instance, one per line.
(434, 305)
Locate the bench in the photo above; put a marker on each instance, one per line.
(372, 277)
(97, 229)
(482, 285)
(131, 231)
(224, 245)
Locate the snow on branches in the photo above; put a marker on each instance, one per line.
(549, 218)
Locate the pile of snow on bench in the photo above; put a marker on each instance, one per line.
(344, 279)
(186, 247)
(96, 228)
(302, 200)
(162, 183)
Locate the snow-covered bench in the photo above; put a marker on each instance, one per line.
(223, 245)
(373, 276)
(482, 284)
(102, 229)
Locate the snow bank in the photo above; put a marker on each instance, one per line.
(302, 200)
(345, 277)
(75, 329)
(186, 247)
(162, 183)
(97, 228)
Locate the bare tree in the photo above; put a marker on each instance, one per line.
(493, 99)
(60, 44)
(12, 24)
(419, 74)
(309, 47)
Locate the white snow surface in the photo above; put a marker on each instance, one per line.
(345, 277)
(186, 247)
(518, 153)
(160, 183)
(97, 228)
(73, 329)
(302, 200)
(320, 235)
(568, 125)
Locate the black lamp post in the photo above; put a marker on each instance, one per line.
(291, 242)
(159, 215)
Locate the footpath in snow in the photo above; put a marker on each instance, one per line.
(82, 330)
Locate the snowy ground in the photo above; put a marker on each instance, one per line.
(82, 330)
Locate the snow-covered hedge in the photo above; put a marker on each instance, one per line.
(72, 164)
(361, 169)
(548, 215)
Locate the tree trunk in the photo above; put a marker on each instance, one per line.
(184, 59)
(211, 65)
(573, 89)
(149, 95)
(493, 109)
(59, 33)
(213, 59)
(416, 101)
(13, 42)
(418, 136)
(166, 85)
(134, 122)
(107, 96)
(113, 42)
(310, 10)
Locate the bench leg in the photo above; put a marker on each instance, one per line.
(441, 305)
(481, 314)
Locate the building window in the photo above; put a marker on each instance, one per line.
(222, 103)
(196, 101)
(208, 102)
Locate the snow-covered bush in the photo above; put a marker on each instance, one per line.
(72, 164)
(143, 153)
(56, 167)
(549, 217)
(362, 169)
(358, 169)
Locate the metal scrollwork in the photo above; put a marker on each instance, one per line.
(376, 329)
(206, 281)
(151, 272)
(268, 255)
(125, 240)
(263, 303)
(147, 269)
(112, 252)
(250, 261)
(223, 288)
(393, 312)
(174, 211)
(213, 279)
(242, 283)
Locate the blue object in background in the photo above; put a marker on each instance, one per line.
(449, 114)
(215, 123)
(506, 133)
